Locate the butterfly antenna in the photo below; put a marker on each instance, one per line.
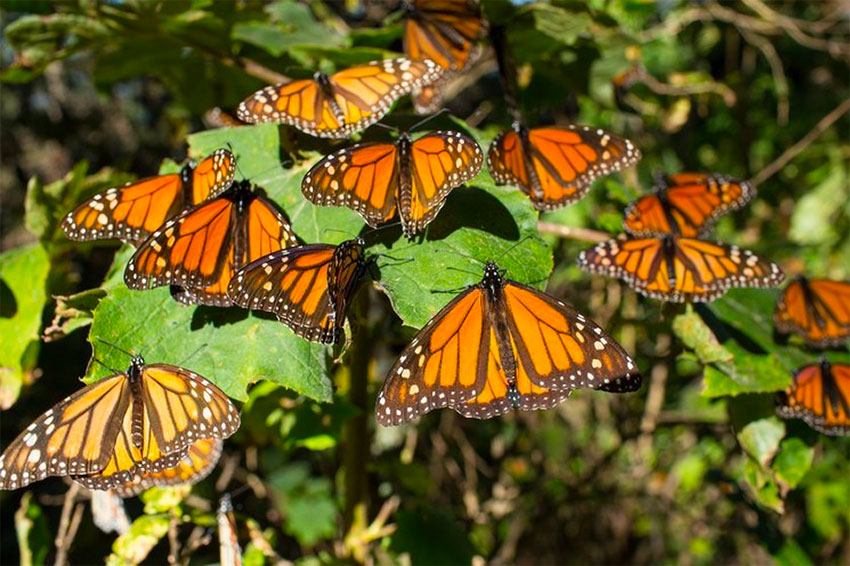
(122, 350)
(192, 355)
(112, 369)
(461, 254)
(453, 268)
(515, 245)
(345, 233)
(428, 119)
(387, 127)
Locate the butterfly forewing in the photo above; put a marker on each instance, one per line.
(816, 309)
(819, 395)
(212, 176)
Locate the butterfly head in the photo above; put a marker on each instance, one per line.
(137, 366)
(186, 171)
(494, 276)
(322, 79)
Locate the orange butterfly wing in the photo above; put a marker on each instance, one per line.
(459, 360)
(686, 204)
(132, 212)
(444, 31)
(363, 177)
(439, 162)
(197, 463)
(307, 287)
(680, 269)
(346, 102)
(819, 395)
(816, 309)
(558, 163)
(230, 554)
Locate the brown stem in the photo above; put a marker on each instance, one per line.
(572, 232)
(802, 144)
(63, 535)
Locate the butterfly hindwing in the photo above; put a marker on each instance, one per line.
(816, 309)
(819, 395)
(196, 464)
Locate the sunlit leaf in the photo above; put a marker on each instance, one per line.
(133, 547)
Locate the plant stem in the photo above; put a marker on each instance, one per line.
(507, 71)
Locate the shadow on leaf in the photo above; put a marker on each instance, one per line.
(471, 207)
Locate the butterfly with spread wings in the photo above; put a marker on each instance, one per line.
(338, 105)
(132, 212)
(131, 423)
(819, 395)
(307, 287)
(414, 177)
(445, 32)
(201, 249)
(197, 463)
(556, 165)
(680, 269)
(686, 204)
(499, 346)
(816, 309)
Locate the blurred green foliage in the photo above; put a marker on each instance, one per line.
(696, 469)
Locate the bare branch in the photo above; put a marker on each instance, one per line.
(64, 536)
(572, 232)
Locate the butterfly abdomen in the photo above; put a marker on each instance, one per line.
(493, 284)
(327, 89)
(405, 182)
(134, 376)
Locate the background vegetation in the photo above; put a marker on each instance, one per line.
(693, 469)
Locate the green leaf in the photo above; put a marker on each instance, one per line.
(72, 312)
(810, 223)
(747, 373)
(559, 24)
(792, 554)
(133, 547)
(793, 461)
(164, 499)
(420, 278)
(306, 502)
(760, 439)
(417, 531)
(828, 506)
(697, 336)
(34, 541)
(23, 280)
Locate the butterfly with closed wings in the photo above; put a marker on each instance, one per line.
(820, 396)
(132, 212)
(307, 287)
(556, 165)
(680, 269)
(413, 177)
(816, 309)
(124, 426)
(500, 346)
(200, 249)
(338, 105)
(445, 32)
(686, 204)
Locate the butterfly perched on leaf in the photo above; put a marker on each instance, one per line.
(129, 424)
(200, 249)
(819, 395)
(132, 212)
(818, 310)
(197, 463)
(500, 346)
(686, 204)
(307, 287)
(338, 105)
(556, 165)
(445, 32)
(411, 177)
(680, 269)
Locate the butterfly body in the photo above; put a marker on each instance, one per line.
(374, 179)
(132, 212)
(820, 396)
(817, 309)
(120, 428)
(501, 346)
(685, 204)
(200, 249)
(308, 287)
(556, 165)
(679, 270)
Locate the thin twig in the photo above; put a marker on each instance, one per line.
(667, 89)
(572, 232)
(63, 535)
(791, 28)
(173, 541)
(802, 144)
(777, 70)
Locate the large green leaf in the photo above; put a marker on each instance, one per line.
(134, 546)
(23, 280)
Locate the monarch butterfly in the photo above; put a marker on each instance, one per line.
(819, 395)
(199, 460)
(498, 346)
(445, 32)
(134, 211)
(307, 287)
(680, 269)
(686, 204)
(816, 309)
(375, 178)
(338, 105)
(200, 249)
(230, 554)
(555, 165)
(131, 423)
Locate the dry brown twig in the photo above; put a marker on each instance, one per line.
(572, 232)
(68, 524)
